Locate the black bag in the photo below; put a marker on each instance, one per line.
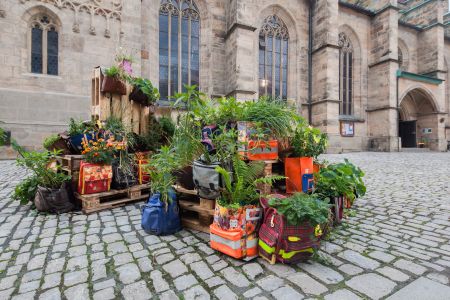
(55, 200)
(122, 179)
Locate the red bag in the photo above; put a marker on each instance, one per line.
(284, 243)
(94, 178)
(338, 209)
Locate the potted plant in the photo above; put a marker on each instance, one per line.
(237, 212)
(143, 92)
(292, 227)
(48, 188)
(56, 142)
(95, 168)
(187, 136)
(112, 81)
(307, 143)
(264, 122)
(160, 216)
(79, 130)
(341, 184)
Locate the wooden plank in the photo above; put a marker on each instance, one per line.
(194, 224)
(127, 113)
(182, 190)
(136, 116)
(143, 120)
(113, 192)
(192, 206)
(116, 109)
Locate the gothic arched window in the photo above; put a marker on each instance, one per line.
(345, 75)
(44, 45)
(273, 57)
(179, 46)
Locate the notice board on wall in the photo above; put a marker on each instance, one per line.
(347, 128)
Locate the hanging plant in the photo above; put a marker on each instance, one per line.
(143, 91)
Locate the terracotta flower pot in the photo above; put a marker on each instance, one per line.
(113, 85)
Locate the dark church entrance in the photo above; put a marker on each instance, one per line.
(407, 132)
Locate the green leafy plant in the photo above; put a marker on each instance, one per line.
(341, 179)
(2, 137)
(113, 71)
(272, 115)
(26, 190)
(147, 88)
(226, 144)
(167, 127)
(161, 167)
(229, 110)
(240, 185)
(114, 127)
(308, 141)
(38, 163)
(50, 140)
(77, 127)
(187, 136)
(300, 208)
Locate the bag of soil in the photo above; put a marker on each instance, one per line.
(55, 200)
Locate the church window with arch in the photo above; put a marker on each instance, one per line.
(179, 46)
(273, 58)
(345, 75)
(44, 45)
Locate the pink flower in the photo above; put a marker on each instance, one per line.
(126, 66)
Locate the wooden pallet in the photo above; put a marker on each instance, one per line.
(196, 213)
(114, 198)
(103, 105)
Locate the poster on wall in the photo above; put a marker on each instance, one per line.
(347, 128)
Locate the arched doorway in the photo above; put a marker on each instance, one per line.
(417, 120)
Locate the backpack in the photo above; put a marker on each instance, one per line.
(206, 179)
(159, 218)
(285, 243)
(208, 132)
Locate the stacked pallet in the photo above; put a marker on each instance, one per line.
(103, 105)
(196, 213)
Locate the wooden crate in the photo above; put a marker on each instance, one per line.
(266, 189)
(70, 165)
(103, 105)
(196, 213)
(113, 198)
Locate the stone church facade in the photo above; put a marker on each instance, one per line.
(373, 74)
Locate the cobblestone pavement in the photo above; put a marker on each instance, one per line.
(397, 246)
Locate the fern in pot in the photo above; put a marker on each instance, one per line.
(237, 213)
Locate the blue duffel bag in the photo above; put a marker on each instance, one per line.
(159, 218)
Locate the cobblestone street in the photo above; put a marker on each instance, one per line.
(396, 246)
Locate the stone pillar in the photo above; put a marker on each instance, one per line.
(382, 110)
(240, 44)
(430, 57)
(325, 77)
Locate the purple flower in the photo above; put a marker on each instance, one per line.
(126, 66)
